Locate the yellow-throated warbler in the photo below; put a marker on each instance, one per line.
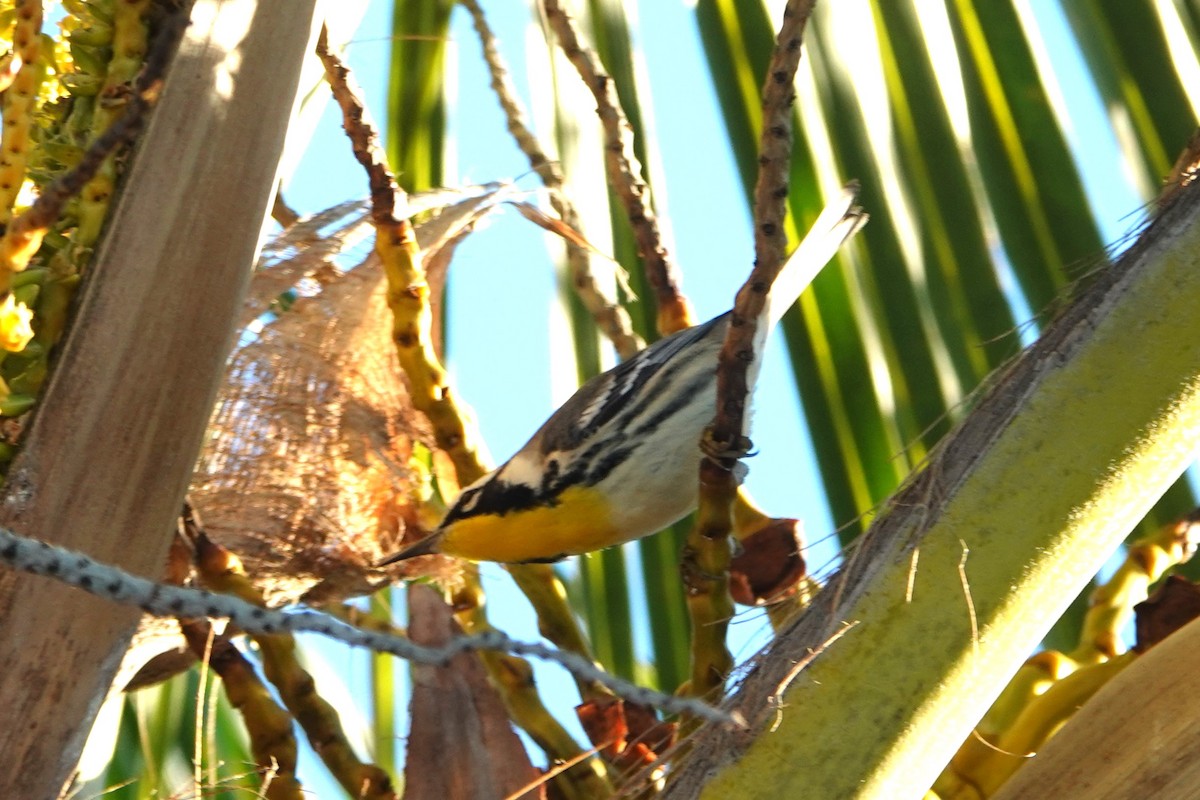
(620, 459)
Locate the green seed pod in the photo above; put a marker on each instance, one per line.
(51, 311)
(29, 381)
(98, 35)
(90, 10)
(27, 294)
(55, 241)
(30, 277)
(54, 156)
(92, 60)
(82, 84)
(16, 404)
(79, 125)
(33, 352)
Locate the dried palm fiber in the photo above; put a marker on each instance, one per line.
(305, 473)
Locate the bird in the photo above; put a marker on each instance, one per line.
(619, 460)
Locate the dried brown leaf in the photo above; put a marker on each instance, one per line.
(769, 566)
(1175, 603)
(557, 227)
(629, 736)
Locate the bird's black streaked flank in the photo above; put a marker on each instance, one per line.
(619, 460)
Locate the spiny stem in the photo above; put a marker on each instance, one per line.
(162, 600)
(706, 568)
(609, 315)
(624, 173)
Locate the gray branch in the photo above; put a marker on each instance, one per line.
(165, 600)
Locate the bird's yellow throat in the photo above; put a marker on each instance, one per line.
(579, 522)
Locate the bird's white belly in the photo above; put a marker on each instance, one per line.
(660, 484)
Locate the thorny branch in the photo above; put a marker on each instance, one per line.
(707, 556)
(163, 600)
(408, 289)
(610, 316)
(363, 138)
(624, 173)
(770, 242)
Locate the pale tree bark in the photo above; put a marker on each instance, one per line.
(108, 456)
(1136, 738)
(974, 559)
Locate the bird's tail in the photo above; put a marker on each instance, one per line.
(840, 220)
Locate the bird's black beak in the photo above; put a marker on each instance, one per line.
(425, 547)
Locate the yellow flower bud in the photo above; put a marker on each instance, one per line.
(15, 325)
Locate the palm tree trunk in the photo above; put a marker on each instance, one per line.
(108, 456)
